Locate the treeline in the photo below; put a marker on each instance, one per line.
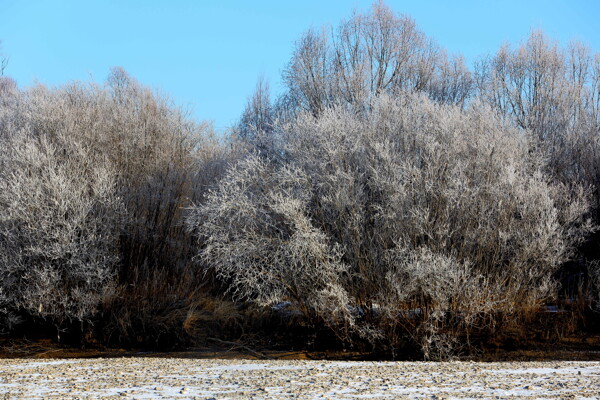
(391, 199)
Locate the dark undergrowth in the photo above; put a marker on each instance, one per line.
(222, 329)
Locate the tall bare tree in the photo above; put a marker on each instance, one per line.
(552, 91)
(3, 65)
(3, 61)
(257, 117)
(370, 54)
(307, 75)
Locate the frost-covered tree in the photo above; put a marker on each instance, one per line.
(552, 91)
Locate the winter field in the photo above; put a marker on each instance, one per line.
(154, 378)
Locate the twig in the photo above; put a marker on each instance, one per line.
(241, 346)
(46, 352)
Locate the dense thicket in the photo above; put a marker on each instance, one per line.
(59, 217)
(413, 220)
(553, 92)
(94, 182)
(537, 110)
(388, 195)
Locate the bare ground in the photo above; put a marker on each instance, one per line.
(156, 377)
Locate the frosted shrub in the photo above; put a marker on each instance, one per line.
(94, 182)
(261, 241)
(426, 220)
(553, 91)
(59, 228)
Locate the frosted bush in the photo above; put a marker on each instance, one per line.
(427, 219)
(94, 182)
(59, 227)
(260, 240)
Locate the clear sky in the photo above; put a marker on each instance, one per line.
(207, 55)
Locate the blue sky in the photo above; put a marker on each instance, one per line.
(207, 55)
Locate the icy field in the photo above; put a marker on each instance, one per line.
(155, 378)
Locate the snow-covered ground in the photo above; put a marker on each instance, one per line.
(155, 378)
